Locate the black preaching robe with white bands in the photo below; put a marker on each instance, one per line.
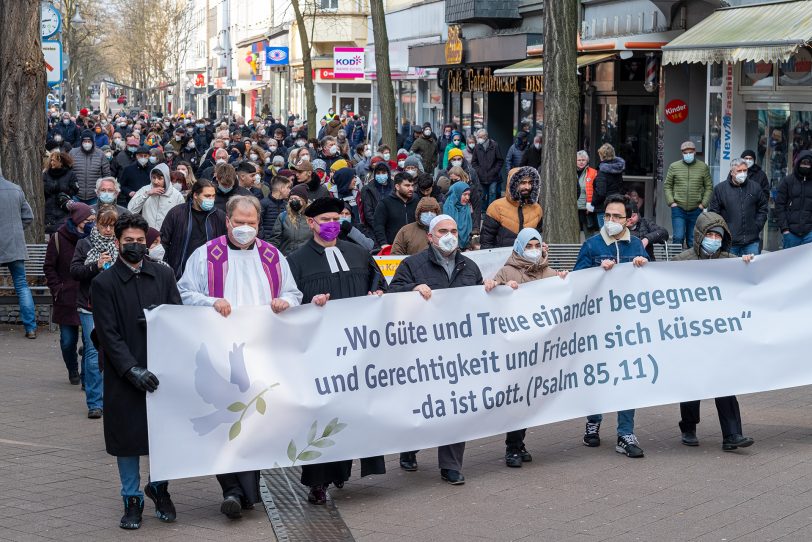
(346, 270)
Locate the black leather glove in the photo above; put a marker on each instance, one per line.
(346, 227)
(142, 379)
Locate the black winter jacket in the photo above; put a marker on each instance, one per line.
(488, 162)
(392, 214)
(271, 208)
(134, 177)
(609, 181)
(176, 233)
(425, 268)
(756, 174)
(60, 185)
(646, 229)
(744, 208)
(531, 157)
(793, 203)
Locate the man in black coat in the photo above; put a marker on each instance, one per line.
(396, 210)
(647, 231)
(487, 161)
(135, 176)
(438, 267)
(532, 154)
(755, 173)
(133, 284)
(742, 202)
(793, 206)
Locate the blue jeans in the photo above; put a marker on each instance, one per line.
(683, 222)
(91, 201)
(28, 313)
(625, 421)
(94, 384)
(68, 340)
(129, 470)
(490, 193)
(792, 240)
(741, 250)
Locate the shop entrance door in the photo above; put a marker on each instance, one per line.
(777, 133)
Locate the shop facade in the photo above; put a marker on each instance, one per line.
(758, 94)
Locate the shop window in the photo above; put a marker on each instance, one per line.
(526, 118)
(479, 107)
(636, 138)
(797, 71)
(456, 109)
(714, 135)
(757, 74)
(633, 69)
(539, 124)
(717, 72)
(466, 113)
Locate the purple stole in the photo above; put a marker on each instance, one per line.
(217, 264)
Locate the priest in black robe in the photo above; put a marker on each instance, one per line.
(328, 268)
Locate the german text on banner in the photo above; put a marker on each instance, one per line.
(374, 375)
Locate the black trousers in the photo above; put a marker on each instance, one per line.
(243, 485)
(514, 441)
(730, 418)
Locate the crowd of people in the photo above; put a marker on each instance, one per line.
(143, 211)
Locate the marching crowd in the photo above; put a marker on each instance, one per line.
(143, 211)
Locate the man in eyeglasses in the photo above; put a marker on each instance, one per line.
(613, 245)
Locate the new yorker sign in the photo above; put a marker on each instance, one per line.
(483, 80)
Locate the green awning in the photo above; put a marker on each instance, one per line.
(535, 66)
(760, 33)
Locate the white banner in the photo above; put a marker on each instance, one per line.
(368, 376)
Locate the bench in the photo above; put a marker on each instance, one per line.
(35, 277)
(564, 256)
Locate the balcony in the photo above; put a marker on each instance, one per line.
(494, 13)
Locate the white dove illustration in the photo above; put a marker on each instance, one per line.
(220, 393)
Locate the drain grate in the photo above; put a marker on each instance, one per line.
(292, 517)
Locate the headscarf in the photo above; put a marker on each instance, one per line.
(525, 236)
(459, 212)
(100, 244)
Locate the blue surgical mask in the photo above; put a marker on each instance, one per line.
(107, 197)
(427, 217)
(225, 190)
(207, 204)
(344, 219)
(381, 178)
(689, 158)
(711, 246)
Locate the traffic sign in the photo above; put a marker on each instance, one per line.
(52, 51)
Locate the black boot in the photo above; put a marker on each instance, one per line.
(133, 510)
(164, 507)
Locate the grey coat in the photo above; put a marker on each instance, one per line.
(15, 215)
(89, 167)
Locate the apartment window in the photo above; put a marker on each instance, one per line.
(329, 4)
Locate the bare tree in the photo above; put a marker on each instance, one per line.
(560, 122)
(23, 88)
(386, 95)
(307, 64)
(87, 46)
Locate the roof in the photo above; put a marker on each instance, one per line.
(760, 33)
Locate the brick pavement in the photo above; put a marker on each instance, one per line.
(56, 481)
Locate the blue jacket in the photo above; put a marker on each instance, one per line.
(596, 249)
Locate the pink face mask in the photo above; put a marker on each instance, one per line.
(329, 230)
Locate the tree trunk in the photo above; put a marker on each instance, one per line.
(309, 87)
(23, 88)
(560, 123)
(386, 96)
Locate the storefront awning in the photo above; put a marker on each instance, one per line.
(761, 33)
(535, 66)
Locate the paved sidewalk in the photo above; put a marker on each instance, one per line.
(57, 482)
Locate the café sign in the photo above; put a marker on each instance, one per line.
(453, 47)
(483, 80)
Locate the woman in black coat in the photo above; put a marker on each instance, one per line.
(609, 180)
(60, 185)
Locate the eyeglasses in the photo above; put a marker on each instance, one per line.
(609, 216)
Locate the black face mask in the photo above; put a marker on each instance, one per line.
(804, 170)
(295, 205)
(133, 252)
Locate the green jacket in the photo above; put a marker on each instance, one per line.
(688, 185)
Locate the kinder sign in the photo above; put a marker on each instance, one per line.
(676, 111)
(348, 62)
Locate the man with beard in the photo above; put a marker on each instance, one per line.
(327, 268)
(440, 266)
(396, 210)
(519, 209)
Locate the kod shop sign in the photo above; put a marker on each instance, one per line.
(348, 62)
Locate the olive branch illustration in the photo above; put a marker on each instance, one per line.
(306, 453)
(259, 405)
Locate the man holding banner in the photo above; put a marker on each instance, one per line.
(613, 245)
(712, 240)
(234, 270)
(439, 266)
(327, 268)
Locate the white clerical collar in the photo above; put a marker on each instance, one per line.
(336, 260)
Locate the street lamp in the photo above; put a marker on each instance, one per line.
(77, 19)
